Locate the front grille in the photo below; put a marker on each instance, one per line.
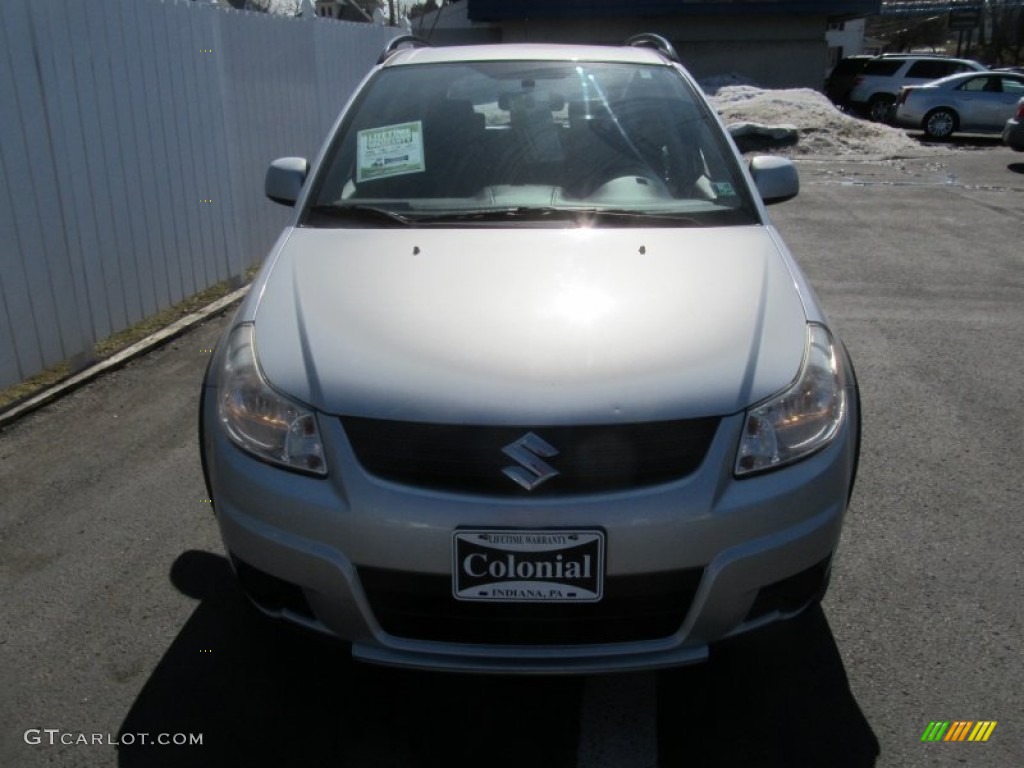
(590, 459)
(634, 608)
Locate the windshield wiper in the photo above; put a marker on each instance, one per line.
(357, 212)
(498, 214)
(659, 217)
(540, 213)
(553, 213)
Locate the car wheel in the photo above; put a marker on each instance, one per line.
(940, 123)
(878, 107)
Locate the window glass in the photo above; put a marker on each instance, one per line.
(883, 67)
(539, 138)
(1013, 85)
(930, 69)
(976, 84)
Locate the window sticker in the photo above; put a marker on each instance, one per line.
(392, 150)
(723, 189)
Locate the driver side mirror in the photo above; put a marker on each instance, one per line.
(285, 178)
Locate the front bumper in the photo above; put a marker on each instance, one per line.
(760, 548)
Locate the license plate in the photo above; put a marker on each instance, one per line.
(528, 566)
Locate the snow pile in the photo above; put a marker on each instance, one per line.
(824, 130)
(712, 85)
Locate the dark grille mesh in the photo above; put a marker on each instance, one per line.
(633, 609)
(590, 459)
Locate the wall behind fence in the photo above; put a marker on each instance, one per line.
(134, 135)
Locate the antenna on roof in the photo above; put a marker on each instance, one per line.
(657, 42)
(392, 47)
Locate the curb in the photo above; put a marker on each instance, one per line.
(119, 359)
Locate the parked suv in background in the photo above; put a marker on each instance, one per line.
(842, 77)
(875, 89)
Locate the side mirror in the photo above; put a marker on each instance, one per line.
(285, 178)
(775, 177)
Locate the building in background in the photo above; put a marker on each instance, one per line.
(844, 38)
(775, 43)
(351, 10)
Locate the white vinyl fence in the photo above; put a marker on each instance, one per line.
(134, 135)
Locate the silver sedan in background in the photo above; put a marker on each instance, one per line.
(972, 102)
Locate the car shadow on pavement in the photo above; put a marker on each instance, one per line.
(776, 697)
(261, 693)
(1016, 167)
(264, 694)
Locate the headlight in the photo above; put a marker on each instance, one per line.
(801, 420)
(261, 420)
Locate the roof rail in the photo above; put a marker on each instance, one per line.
(913, 55)
(392, 47)
(657, 42)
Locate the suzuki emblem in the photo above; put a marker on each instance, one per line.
(532, 469)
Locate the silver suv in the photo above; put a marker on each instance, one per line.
(875, 89)
(530, 382)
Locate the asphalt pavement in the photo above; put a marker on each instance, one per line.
(121, 622)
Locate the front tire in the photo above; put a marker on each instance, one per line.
(940, 123)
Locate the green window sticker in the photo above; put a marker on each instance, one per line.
(391, 150)
(723, 189)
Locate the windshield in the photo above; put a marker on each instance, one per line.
(544, 142)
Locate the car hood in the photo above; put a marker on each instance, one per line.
(530, 326)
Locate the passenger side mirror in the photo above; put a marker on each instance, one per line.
(285, 178)
(775, 177)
